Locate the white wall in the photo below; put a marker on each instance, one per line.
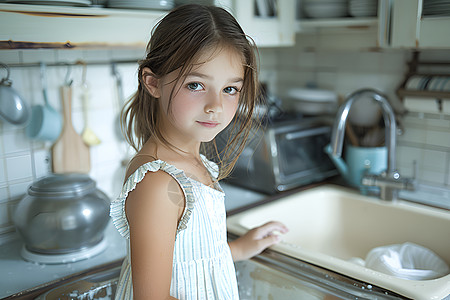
(426, 139)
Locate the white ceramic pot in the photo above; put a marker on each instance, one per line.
(313, 101)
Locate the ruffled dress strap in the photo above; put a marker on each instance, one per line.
(117, 208)
(211, 166)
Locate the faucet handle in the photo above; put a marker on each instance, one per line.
(415, 169)
(388, 182)
(410, 184)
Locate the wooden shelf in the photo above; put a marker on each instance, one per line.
(42, 26)
(423, 94)
(333, 23)
(413, 67)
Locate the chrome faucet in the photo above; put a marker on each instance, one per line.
(389, 181)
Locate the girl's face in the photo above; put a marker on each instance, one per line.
(204, 101)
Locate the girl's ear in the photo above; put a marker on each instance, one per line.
(151, 82)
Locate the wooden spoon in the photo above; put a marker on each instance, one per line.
(351, 135)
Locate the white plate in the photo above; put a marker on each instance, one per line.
(325, 10)
(368, 6)
(141, 4)
(363, 3)
(413, 82)
(446, 85)
(155, 2)
(434, 83)
(363, 12)
(313, 95)
(325, 2)
(51, 2)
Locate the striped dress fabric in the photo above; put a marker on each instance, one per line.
(202, 263)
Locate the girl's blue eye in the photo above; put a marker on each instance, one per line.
(194, 86)
(231, 90)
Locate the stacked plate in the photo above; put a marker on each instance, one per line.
(142, 4)
(436, 8)
(325, 8)
(437, 83)
(363, 8)
(51, 2)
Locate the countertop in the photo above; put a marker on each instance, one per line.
(428, 195)
(18, 275)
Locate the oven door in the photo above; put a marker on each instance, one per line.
(299, 157)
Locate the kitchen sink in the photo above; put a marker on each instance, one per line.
(96, 285)
(331, 226)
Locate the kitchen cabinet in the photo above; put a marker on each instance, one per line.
(412, 29)
(43, 26)
(399, 24)
(269, 30)
(346, 33)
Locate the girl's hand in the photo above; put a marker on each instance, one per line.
(256, 240)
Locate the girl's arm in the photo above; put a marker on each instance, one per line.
(256, 240)
(152, 216)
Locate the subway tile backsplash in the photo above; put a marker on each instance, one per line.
(426, 141)
(22, 160)
(426, 137)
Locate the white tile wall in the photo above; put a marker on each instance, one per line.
(426, 138)
(2, 174)
(342, 71)
(23, 160)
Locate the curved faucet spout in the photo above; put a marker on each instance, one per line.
(388, 182)
(337, 136)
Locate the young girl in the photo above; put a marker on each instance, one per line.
(199, 72)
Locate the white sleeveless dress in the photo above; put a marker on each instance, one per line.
(202, 263)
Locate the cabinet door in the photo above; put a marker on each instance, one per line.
(267, 31)
(411, 29)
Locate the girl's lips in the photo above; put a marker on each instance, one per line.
(209, 124)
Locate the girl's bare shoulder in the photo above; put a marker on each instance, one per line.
(155, 188)
(137, 161)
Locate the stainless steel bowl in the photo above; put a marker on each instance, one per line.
(62, 213)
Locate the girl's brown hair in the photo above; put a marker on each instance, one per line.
(177, 42)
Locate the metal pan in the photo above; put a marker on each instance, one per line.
(13, 109)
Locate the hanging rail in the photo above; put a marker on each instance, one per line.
(77, 62)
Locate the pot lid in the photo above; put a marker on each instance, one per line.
(62, 185)
(313, 95)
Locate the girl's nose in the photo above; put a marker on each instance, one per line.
(213, 103)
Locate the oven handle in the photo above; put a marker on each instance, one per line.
(309, 132)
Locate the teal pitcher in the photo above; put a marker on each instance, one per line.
(358, 162)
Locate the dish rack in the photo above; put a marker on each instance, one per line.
(426, 84)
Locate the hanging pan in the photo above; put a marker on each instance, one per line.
(46, 123)
(13, 109)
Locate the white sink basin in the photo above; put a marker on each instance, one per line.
(330, 224)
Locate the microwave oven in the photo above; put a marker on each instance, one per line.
(284, 155)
